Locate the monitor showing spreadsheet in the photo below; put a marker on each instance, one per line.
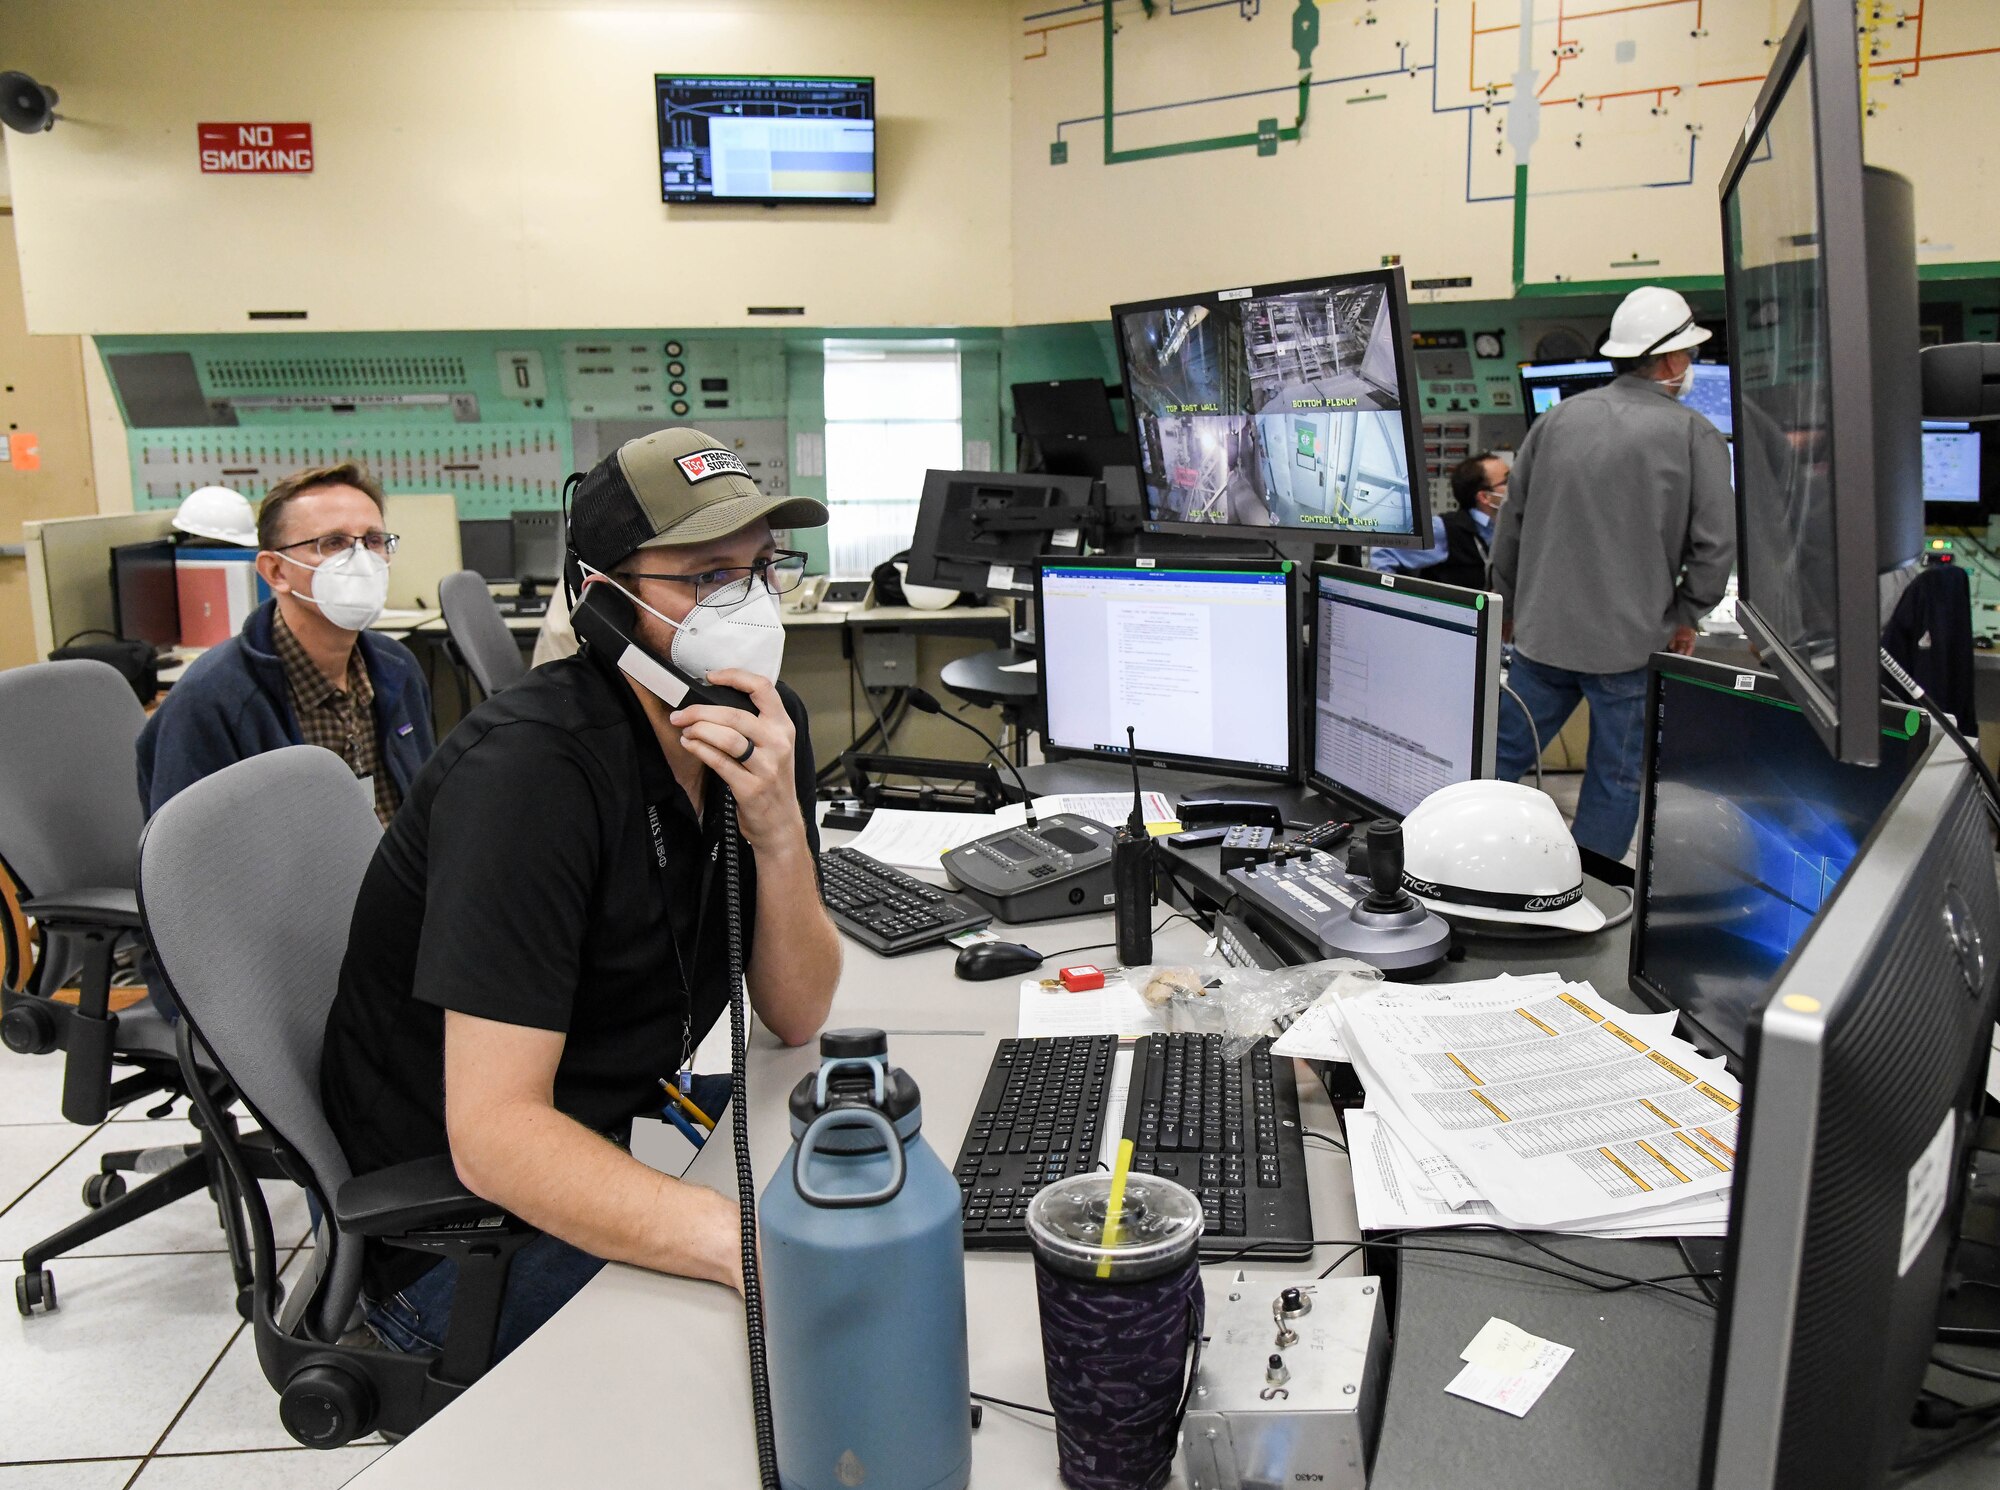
(1199, 657)
(1406, 677)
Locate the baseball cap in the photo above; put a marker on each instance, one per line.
(674, 486)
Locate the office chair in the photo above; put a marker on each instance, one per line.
(478, 632)
(247, 883)
(69, 852)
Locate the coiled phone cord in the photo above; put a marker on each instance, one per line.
(746, 1181)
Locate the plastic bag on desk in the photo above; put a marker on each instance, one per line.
(1243, 1004)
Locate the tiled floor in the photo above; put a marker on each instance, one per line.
(144, 1377)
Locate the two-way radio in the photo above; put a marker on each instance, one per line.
(1132, 874)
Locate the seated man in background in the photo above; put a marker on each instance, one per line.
(1461, 551)
(305, 670)
(543, 935)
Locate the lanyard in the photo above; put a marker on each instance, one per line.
(673, 936)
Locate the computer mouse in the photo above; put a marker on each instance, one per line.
(984, 960)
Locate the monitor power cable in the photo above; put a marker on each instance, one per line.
(1914, 691)
(1534, 734)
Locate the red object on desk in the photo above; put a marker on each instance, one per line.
(1081, 979)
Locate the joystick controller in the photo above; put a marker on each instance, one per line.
(1387, 928)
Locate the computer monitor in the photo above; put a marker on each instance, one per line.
(1954, 478)
(145, 593)
(1063, 406)
(1275, 411)
(984, 530)
(1709, 395)
(1406, 687)
(766, 139)
(1819, 259)
(1863, 1081)
(1746, 827)
(1546, 384)
(537, 547)
(486, 546)
(1199, 657)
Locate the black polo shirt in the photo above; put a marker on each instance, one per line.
(520, 883)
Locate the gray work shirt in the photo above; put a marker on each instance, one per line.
(1620, 525)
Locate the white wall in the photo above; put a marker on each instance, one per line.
(492, 165)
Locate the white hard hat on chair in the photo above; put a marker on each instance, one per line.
(219, 513)
(1651, 320)
(1496, 851)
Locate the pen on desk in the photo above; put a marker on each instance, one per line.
(674, 1095)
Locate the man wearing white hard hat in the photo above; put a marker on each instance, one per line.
(1617, 537)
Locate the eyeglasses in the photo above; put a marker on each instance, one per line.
(780, 573)
(333, 545)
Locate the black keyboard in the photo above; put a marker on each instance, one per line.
(1229, 1131)
(888, 910)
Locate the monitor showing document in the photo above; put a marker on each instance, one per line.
(1199, 657)
(1406, 678)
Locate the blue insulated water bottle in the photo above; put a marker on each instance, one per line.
(864, 1285)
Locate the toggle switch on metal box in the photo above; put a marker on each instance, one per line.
(1290, 1386)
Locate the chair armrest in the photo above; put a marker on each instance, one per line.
(117, 909)
(417, 1196)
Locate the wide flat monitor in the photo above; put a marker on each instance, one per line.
(1546, 384)
(486, 546)
(1199, 657)
(1274, 411)
(1954, 478)
(538, 546)
(766, 139)
(145, 593)
(1746, 828)
(984, 530)
(1406, 687)
(1862, 1087)
(1819, 258)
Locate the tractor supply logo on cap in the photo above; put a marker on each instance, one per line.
(706, 463)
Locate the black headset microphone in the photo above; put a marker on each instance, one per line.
(925, 702)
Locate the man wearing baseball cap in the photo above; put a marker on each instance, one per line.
(542, 937)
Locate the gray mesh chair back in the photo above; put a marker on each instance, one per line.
(248, 880)
(69, 782)
(476, 625)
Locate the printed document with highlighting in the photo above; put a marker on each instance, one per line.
(1546, 1098)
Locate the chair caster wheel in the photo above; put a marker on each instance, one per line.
(324, 1407)
(246, 1303)
(28, 1029)
(35, 1292)
(99, 1190)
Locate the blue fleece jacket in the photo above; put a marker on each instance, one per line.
(232, 704)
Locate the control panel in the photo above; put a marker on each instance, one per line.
(1060, 867)
(1289, 1391)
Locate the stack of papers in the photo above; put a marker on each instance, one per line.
(917, 840)
(1533, 1103)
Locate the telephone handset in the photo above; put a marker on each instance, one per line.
(606, 621)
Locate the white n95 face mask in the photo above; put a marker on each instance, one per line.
(351, 591)
(746, 633)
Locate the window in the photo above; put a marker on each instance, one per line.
(892, 413)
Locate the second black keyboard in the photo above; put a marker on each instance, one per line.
(888, 910)
(1227, 1130)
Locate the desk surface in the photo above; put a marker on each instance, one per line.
(602, 1394)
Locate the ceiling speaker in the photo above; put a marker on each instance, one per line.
(25, 104)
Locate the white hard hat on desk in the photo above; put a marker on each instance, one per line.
(1651, 320)
(219, 513)
(1499, 852)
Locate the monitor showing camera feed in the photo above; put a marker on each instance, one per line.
(1199, 657)
(1280, 407)
(766, 139)
(1951, 469)
(1749, 825)
(1546, 384)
